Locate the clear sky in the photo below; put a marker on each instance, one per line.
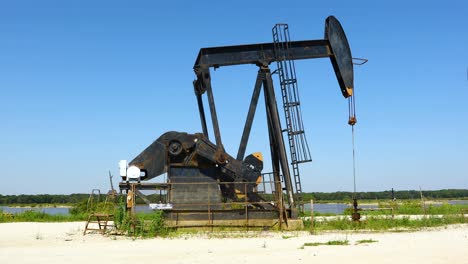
(85, 84)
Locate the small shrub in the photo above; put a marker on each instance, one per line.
(157, 226)
(141, 225)
(78, 208)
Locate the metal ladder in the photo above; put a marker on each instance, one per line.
(298, 146)
(91, 203)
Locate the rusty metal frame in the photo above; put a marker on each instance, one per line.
(334, 46)
(135, 187)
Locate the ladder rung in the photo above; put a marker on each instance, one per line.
(301, 161)
(288, 81)
(292, 104)
(297, 132)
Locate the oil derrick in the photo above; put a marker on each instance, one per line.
(208, 186)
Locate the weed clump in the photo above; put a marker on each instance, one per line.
(329, 243)
(366, 241)
(145, 225)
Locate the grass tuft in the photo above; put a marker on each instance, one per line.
(366, 241)
(329, 243)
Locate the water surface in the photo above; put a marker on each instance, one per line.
(47, 210)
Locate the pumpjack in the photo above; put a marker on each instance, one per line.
(201, 176)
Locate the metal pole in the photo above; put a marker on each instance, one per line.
(133, 200)
(246, 207)
(311, 216)
(209, 208)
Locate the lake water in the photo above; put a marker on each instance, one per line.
(47, 210)
(334, 208)
(337, 208)
(458, 202)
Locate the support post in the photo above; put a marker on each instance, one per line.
(312, 216)
(278, 136)
(214, 118)
(246, 207)
(275, 164)
(201, 110)
(250, 115)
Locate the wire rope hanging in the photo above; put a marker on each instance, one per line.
(352, 121)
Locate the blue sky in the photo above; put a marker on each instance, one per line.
(85, 84)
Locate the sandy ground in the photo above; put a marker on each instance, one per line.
(64, 243)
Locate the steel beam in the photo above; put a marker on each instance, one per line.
(214, 117)
(277, 134)
(250, 115)
(260, 54)
(201, 110)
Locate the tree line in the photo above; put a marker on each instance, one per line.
(43, 198)
(317, 196)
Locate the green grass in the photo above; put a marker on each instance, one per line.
(143, 225)
(407, 207)
(418, 208)
(375, 223)
(34, 216)
(152, 224)
(329, 243)
(140, 225)
(307, 213)
(366, 241)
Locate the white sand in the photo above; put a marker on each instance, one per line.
(64, 243)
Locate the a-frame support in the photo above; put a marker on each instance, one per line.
(278, 152)
(279, 158)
